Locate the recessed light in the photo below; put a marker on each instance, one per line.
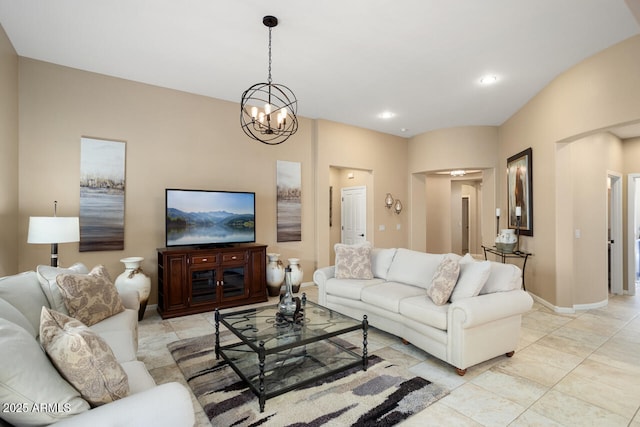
(386, 115)
(488, 80)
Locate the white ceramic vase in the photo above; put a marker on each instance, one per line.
(296, 273)
(275, 274)
(506, 240)
(133, 278)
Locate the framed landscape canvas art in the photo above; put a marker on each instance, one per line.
(520, 192)
(102, 187)
(289, 201)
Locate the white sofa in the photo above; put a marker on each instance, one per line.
(33, 392)
(481, 321)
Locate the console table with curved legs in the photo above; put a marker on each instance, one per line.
(504, 255)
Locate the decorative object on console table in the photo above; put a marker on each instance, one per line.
(296, 274)
(53, 230)
(520, 192)
(506, 240)
(134, 278)
(275, 274)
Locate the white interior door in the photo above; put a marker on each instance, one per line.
(354, 215)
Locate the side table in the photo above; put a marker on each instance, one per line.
(504, 255)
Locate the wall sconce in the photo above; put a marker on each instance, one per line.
(388, 201)
(397, 208)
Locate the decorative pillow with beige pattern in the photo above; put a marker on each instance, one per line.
(444, 280)
(353, 261)
(83, 358)
(91, 297)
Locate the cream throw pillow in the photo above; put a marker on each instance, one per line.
(473, 276)
(444, 280)
(353, 261)
(47, 278)
(83, 358)
(29, 380)
(91, 297)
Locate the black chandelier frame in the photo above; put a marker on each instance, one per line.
(283, 102)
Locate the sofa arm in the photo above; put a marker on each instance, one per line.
(165, 405)
(130, 299)
(470, 312)
(320, 277)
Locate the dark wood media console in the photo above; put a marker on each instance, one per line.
(193, 280)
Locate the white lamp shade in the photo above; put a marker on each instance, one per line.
(53, 229)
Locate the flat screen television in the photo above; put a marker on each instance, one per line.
(209, 218)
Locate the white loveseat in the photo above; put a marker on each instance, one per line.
(33, 392)
(480, 321)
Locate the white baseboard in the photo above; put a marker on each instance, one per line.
(569, 310)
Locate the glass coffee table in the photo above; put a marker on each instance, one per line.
(276, 355)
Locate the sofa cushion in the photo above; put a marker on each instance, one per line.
(473, 276)
(91, 297)
(125, 324)
(23, 291)
(47, 278)
(139, 378)
(425, 311)
(12, 314)
(502, 278)
(353, 261)
(381, 261)
(83, 358)
(413, 267)
(28, 379)
(388, 295)
(444, 280)
(349, 288)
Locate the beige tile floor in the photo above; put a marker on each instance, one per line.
(581, 369)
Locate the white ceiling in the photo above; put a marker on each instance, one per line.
(346, 61)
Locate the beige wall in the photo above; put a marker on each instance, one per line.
(469, 147)
(385, 156)
(173, 139)
(601, 92)
(9, 157)
(176, 139)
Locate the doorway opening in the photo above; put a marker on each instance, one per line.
(342, 178)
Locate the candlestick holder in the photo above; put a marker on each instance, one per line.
(518, 234)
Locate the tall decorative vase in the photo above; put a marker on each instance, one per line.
(287, 305)
(296, 274)
(133, 278)
(275, 274)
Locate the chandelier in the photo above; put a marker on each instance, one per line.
(268, 110)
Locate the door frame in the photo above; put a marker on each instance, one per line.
(615, 212)
(633, 191)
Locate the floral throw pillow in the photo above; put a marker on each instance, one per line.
(83, 358)
(444, 280)
(90, 298)
(353, 261)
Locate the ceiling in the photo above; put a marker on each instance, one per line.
(346, 61)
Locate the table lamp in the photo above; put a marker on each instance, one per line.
(53, 230)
